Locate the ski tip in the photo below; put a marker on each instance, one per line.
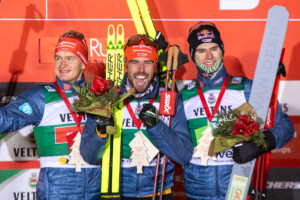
(278, 14)
(279, 9)
(111, 30)
(120, 30)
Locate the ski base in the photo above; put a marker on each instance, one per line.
(261, 92)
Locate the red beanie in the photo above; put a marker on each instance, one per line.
(73, 45)
(140, 50)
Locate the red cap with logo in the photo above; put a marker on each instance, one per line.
(140, 46)
(74, 42)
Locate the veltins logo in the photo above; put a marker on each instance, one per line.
(26, 108)
(238, 4)
(211, 98)
(33, 179)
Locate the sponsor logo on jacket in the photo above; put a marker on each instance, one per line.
(33, 179)
(211, 98)
(201, 112)
(167, 106)
(26, 108)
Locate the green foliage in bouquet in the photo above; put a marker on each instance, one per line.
(238, 125)
(98, 96)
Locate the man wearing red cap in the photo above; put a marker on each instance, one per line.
(141, 138)
(47, 108)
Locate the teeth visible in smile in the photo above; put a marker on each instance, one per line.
(140, 77)
(140, 80)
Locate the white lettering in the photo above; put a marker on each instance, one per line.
(92, 47)
(100, 49)
(283, 185)
(238, 4)
(167, 103)
(283, 150)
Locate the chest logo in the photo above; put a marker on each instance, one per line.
(138, 109)
(191, 85)
(50, 89)
(236, 80)
(211, 98)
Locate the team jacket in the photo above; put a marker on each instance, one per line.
(43, 108)
(175, 144)
(211, 182)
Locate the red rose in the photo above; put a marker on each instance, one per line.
(99, 85)
(244, 126)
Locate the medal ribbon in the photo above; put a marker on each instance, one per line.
(204, 103)
(76, 118)
(137, 122)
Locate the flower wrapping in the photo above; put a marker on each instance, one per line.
(98, 96)
(238, 125)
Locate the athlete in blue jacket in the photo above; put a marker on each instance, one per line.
(141, 60)
(206, 50)
(44, 108)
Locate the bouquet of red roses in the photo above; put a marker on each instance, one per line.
(98, 96)
(238, 125)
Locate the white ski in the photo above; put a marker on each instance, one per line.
(261, 92)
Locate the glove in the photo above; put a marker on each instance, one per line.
(247, 151)
(106, 125)
(281, 69)
(149, 115)
(161, 41)
(182, 57)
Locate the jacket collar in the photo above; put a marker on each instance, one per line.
(214, 82)
(67, 87)
(152, 94)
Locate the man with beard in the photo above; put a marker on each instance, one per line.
(223, 91)
(141, 59)
(47, 108)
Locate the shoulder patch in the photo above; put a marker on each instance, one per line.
(26, 108)
(49, 88)
(236, 80)
(191, 85)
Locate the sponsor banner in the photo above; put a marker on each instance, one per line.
(289, 98)
(114, 9)
(288, 156)
(25, 180)
(283, 184)
(241, 23)
(19, 146)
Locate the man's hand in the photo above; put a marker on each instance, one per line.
(149, 115)
(105, 125)
(247, 151)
